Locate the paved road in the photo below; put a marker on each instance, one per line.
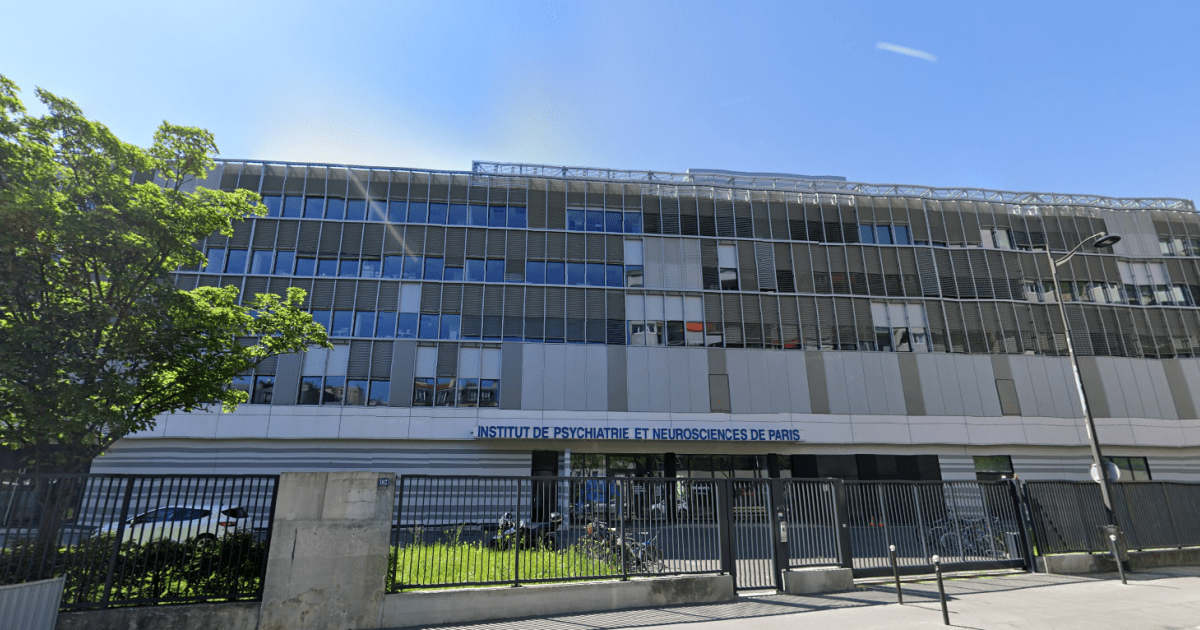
(1163, 598)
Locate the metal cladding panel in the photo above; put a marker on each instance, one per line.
(797, 383)
(818, 391)
(287, 380)
(738, 368)
(985, 386)
(777, 381)
(913, 402)
(637, 378)
(618, 392)
(1043, 390)
(659, 380)
(32, 605)
(960, 379)
(697, 365)
(533, 361)
(553, 377)
(930, 380)
(1093, 381)
(1022, 377)
(404, 360)
(511, 375)
(875, 386)
(1152, 384)
(838, 390)
(678, 374)
(596, 374)
(575, 376)
(1174, 369)
(760, 389)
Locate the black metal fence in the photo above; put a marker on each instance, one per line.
(1068, 515)
(127, 540)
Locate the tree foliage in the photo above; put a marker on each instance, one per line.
(95, 339)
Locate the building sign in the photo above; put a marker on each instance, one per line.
(688, 434)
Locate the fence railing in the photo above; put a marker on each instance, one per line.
(126, 540)
(1068, 515)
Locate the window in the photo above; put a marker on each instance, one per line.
(643, 333)
(454, 274)
(478, 215)
(397, 211)
(468, 392)
(216, 260)
(335, 209)
(356, 210)
(535, 272)
(423, 392)
(236, 261)
(418, 212)
(342, 322)
(260, 262)
(310, 390)
(595, 274)
(433, 268)
(495, 271)
(443, 395)
(437, 213)
(393, 266)
(293, 207)
(429, 327)
(370, 269)
(457, 214)
(412, 268)
(348, 268)
(1132, 468)
(306, 266)
(334, 391)
(517, 218)
(612, 222)
(364, 324)
(993, 467)
(274, 204)
(729, 278)
(283, 263)
(322, 318)
(242, 383)
(556, 273)
(356, 392)
(903, 235)
(575, 274)
(633, 223)
(385, 324)
(489, 393)
(450, 326)
(475, 270)
(327, 267)
(576, 221)
(496, 216)
(264, 389)
(314, 208)
(380, 393)
(406, 327)
(634, 276)
(614, 275)
(594, 220)
(883, 234)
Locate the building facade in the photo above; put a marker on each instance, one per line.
(520, 319)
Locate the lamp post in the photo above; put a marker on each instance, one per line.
(1103, 239)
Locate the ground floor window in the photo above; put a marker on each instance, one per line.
(866, 467)
(1132, 468)
(993, 467)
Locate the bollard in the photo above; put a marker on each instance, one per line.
(896, 573)
(937, 570)
(1112, 544)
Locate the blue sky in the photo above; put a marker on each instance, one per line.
(1080, 97)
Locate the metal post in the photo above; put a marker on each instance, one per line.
(841, 506)
(116, 543)
(937, 570)
(724, 514)
(779, 536)
(896, 573)
(516, 543)
(1093, 439)
(1112, 546)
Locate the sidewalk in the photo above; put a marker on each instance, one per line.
(1163, 598)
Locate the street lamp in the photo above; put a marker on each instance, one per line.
(1103, 239)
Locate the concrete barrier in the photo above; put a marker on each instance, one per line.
(232, 616)
(422, 608)
(329, 551)
(817, 580)
(1076, 563)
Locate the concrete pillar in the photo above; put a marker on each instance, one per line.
(329, 551)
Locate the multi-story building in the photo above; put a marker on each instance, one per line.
(522, 319)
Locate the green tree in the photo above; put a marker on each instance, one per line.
(95, 339)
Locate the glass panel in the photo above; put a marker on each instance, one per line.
(242, 383)
(468, 392)
(305, 266)
(904, 236)
(406, 328)
(429, 326)
(866, 233)
(479, 215)
(556, 273)
(370, 269)
(517, 217)
(260, 263)
(342, 320)
(612, 222)
(535, 272)
(433, 268)
(392, 266)
(675, 334)
(495, 271)
(356, 210)
(348, 268)
(475, 270)
(595, 220)
(422, 392)
(334, 390)
(274, 205)
(327, 267)
(335, 208)
(575, 274)
(454, 274)
(216, 260)
(364, 323)
(634, 276)
(380, 393)
(322, 318)
(883, 234)
(397, 211)
(633, 223)
(418, 212)
(356, 392)
(496, 216)
(283, 263)
(377, 210)
(412, 268)
(614, 275)
(575, 220)
(314, 208)
(457, 214)
(450, 326)
(385, 324)
(437, 213)
(236, 262)
(444, 396)
(310, 390)
(489, 393)
(264, 389)
(595, 275)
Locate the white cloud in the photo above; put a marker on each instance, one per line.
(903, 50)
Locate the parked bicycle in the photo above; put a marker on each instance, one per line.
(979, 537)
(605, 543)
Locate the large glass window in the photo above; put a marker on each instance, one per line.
(993, 467)
(334, 391)
(904, 235)
(348, 268)
(274, 205)
(633, 222)
(576, 221)
(283, 263)
(293, 207)
(423, 392)
(556, 273)
(364, 324)
(594, 220)
(614, 275)
(1132, 468)
(310, 390)
(450, 326)
(479, 215)
(406, 326)
(517, 217)
(342, 321)
(489, 393)
(306, 266)
(370, 269)
(433, 268)
(356, 210)
(397, 211)
(437, 213)
(314, 208)
(453, 274)
(429, 327)
(260, 262)
(392, 266)
(356, 392)
(535, 272)
(612, 222)
(322, 318)
(496, 216)
(594, 274)
(444, 394)
(418, 212)
(380, 393)
(236, 261)
(335, 208)
(327, 267)
(866, 233)
(495, 271)
(385, 324)
(376, 210)
(264, 390)
(575, 274)
(457, 214)
(475, 270)
(412, 268)
(883, 234)
(216, 260)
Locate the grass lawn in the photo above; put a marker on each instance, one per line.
(431, 565)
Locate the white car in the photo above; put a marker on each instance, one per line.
(182, 524)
